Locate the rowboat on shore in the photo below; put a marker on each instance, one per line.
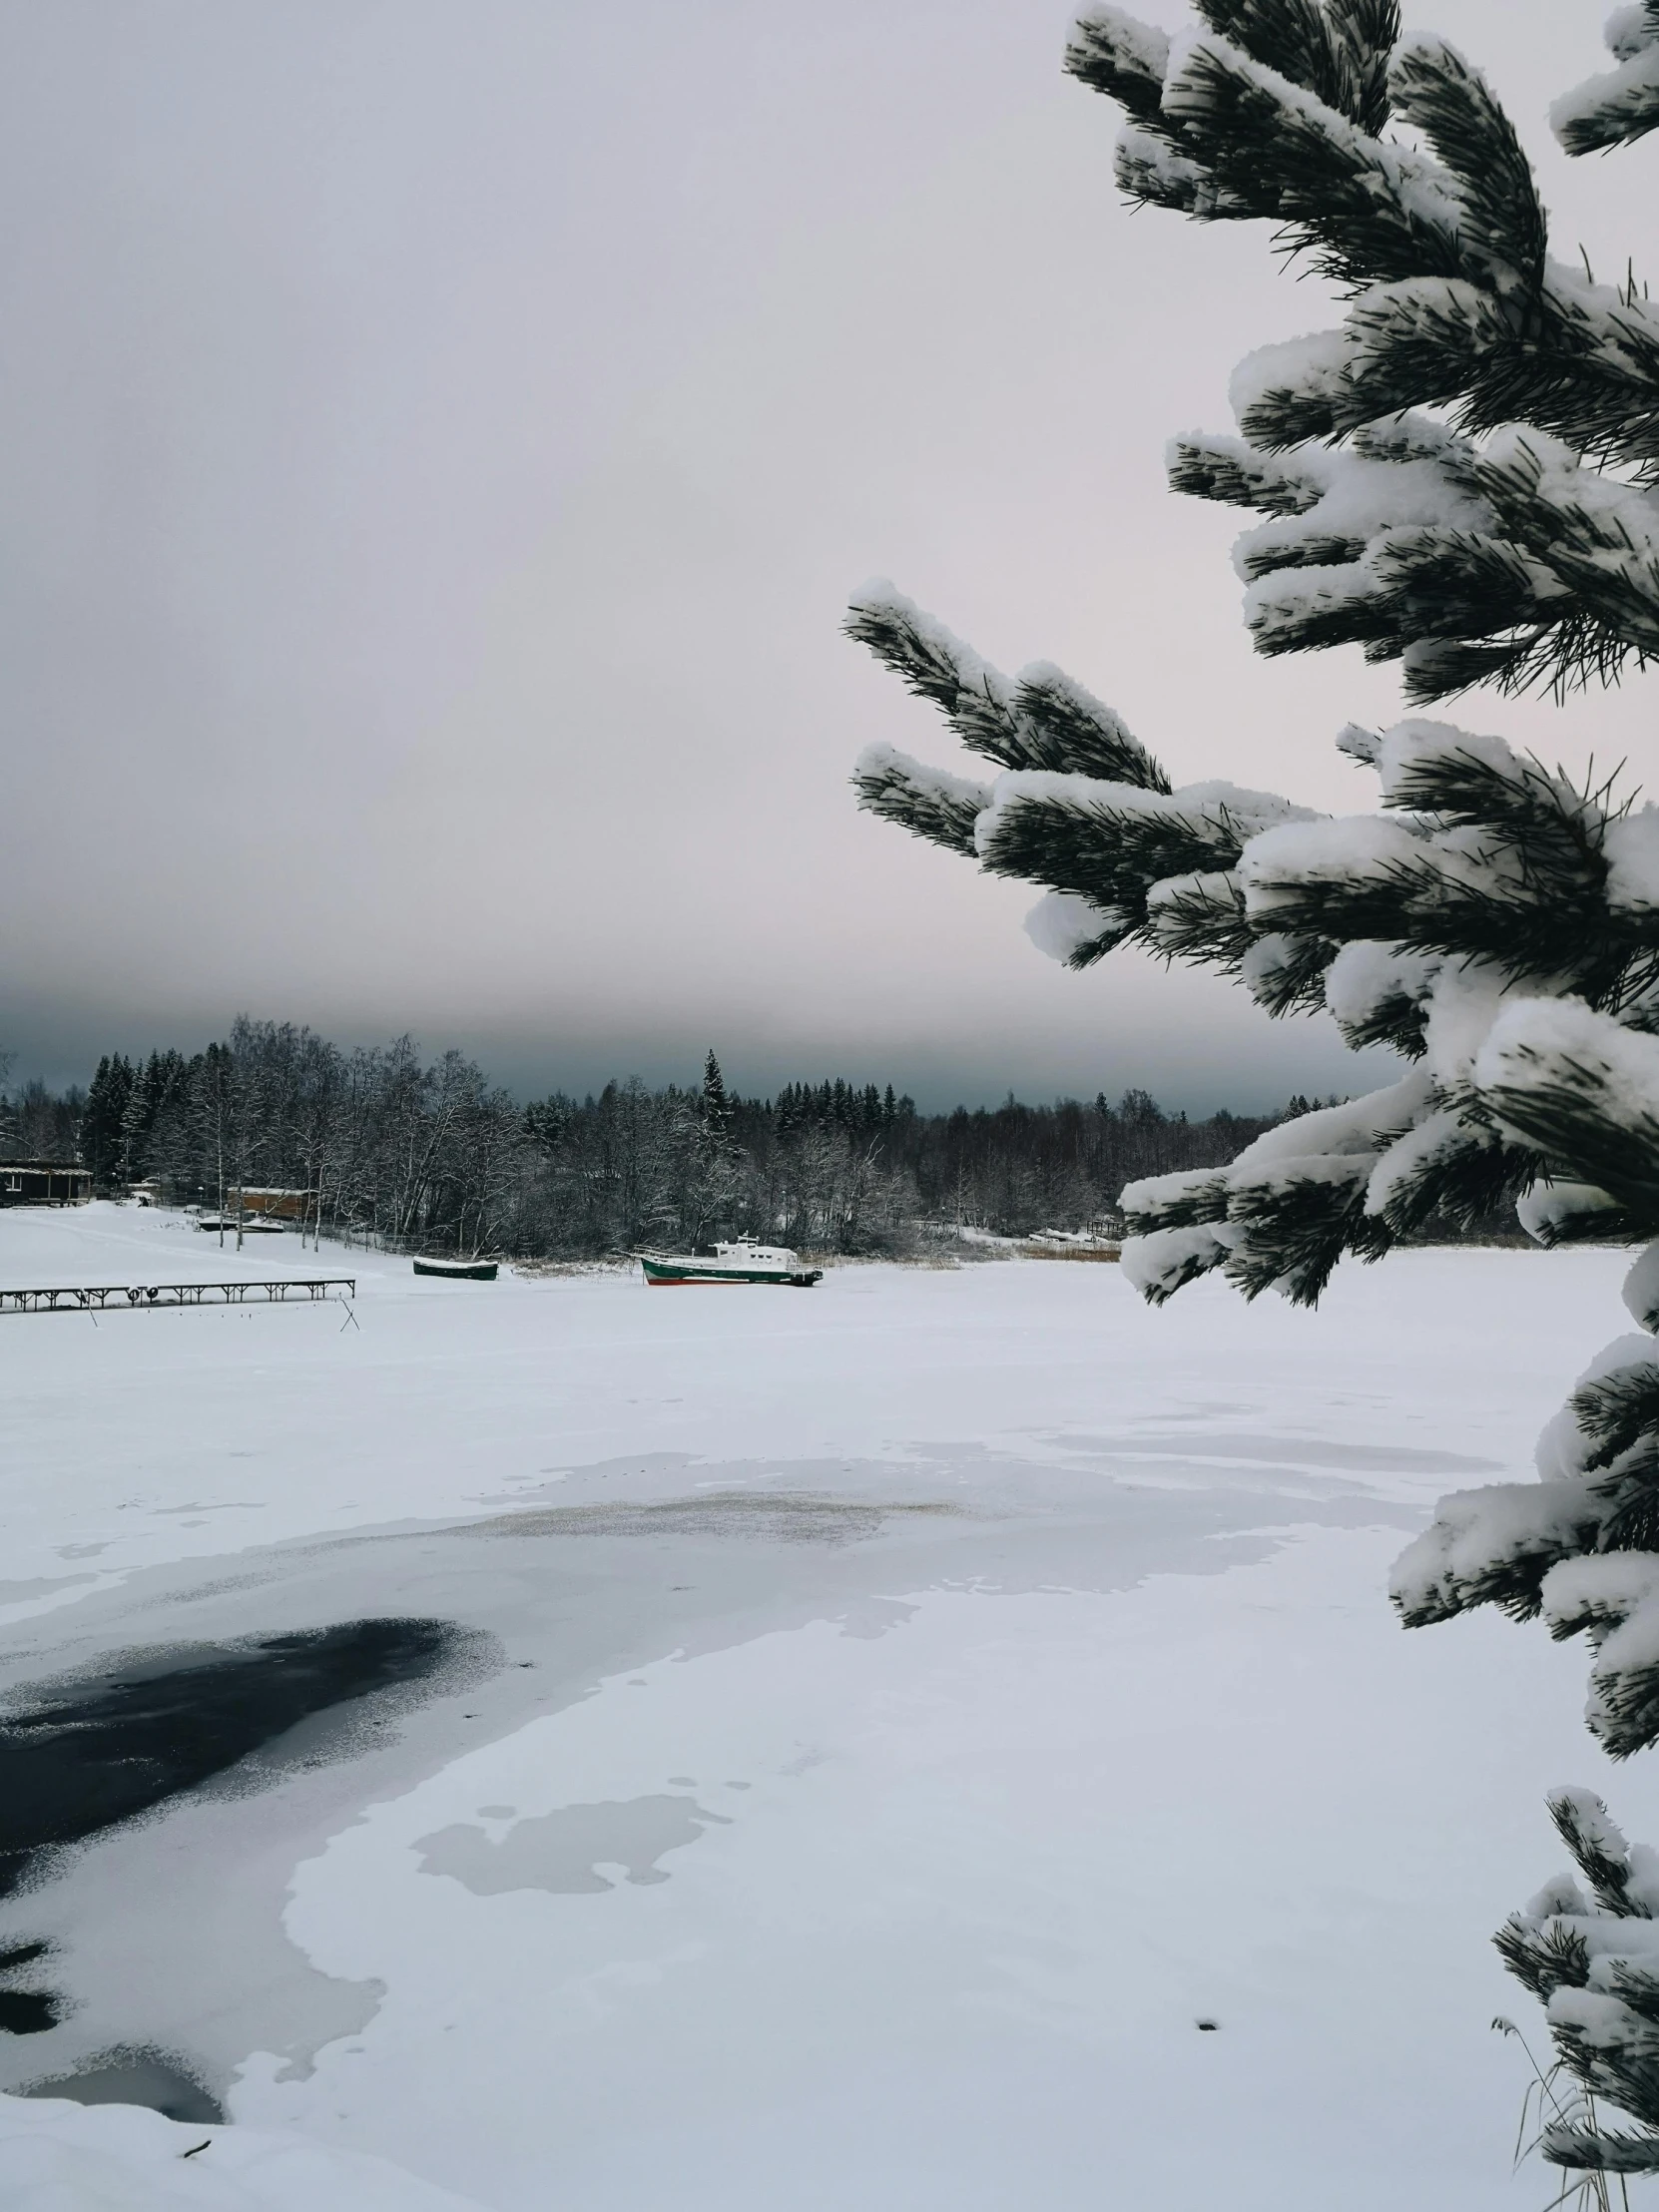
(730, 1263)
(467, 1270)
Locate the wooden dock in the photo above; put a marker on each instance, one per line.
(103, 1298)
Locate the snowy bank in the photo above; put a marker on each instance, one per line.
(60, 2157)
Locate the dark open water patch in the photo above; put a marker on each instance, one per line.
(135, 2075)
(24, 2011)
(79, 1754)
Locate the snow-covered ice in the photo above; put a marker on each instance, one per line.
(913, 1705)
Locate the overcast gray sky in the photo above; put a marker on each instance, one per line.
(436, 443)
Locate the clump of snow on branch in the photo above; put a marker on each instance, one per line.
(1063, 925)
(1621, 103)
(1641, 1290)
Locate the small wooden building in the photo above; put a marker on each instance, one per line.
(44, 1183)
(268, 1205)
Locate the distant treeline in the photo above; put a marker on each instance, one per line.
(428, 1155)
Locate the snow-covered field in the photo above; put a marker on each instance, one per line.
(912, 1705)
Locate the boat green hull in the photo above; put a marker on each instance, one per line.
(666, 1273)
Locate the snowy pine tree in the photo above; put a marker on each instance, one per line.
(1463, 477)
(103, 1120)
(716, 1105)
(713, 1193)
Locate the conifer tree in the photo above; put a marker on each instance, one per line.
(716, 1107)
(144, 1102)
(717, 1177)
(545, 1122)
(103, 1124)
(1463, 477)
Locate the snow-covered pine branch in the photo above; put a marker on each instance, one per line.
(1117, 846)
(1480, 857)
(1578, 1546)
(1038, 719)
(1504, 564)
(928, 801)
(1585, 1090)
(1593, 1962)
(1363, 207)
(1513, 565)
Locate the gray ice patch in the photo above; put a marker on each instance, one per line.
(22, 1593)
(772, 1516)
(561, 1852)
(870, 1617)
(1296, 1451)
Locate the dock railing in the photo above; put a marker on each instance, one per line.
(103, 1298)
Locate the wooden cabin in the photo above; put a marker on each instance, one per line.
(268, 1205)
(44, 1183)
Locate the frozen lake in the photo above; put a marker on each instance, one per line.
(879, 1723)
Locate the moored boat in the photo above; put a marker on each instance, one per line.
(742, 1261)
(468, 1271)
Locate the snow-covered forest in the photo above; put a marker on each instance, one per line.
(409, 1150)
